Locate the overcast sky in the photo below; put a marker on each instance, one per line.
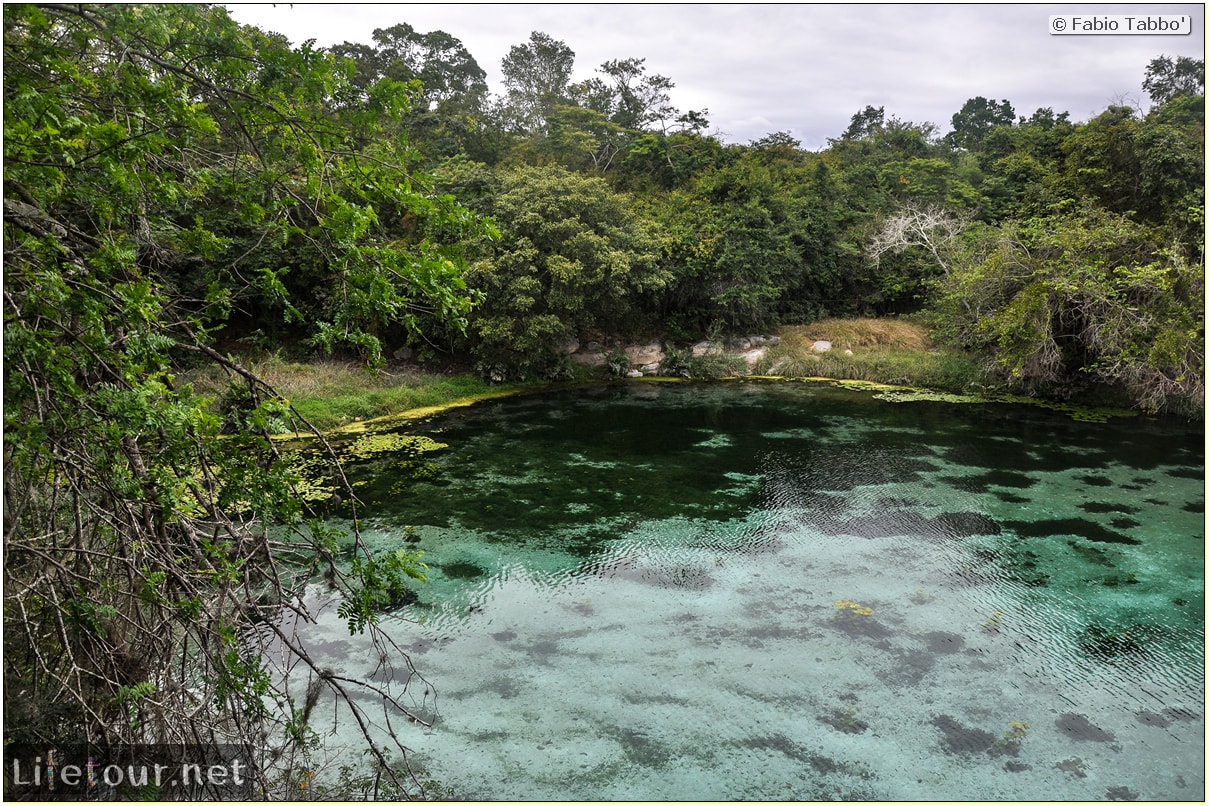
(801, 68)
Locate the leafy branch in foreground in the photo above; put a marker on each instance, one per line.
(164, 167)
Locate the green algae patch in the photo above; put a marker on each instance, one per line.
(313, 469)
(419, 413)
(371, 445)
(883, 391)
(309, 489)
(409, 415)
(911, 395)
(863, 386)
(1084, 414)
(892, 393)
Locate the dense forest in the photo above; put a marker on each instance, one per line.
(177, 185)
(1064, 253)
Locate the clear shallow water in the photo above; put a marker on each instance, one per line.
(778, 591)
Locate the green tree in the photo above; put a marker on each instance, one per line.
(1086, 297)
(574, 258)
(1172, 193)
(1168, 79)
(865, 123)
(149, 153)
(636, 99)
(537, 75)
(607, 113)
(584, 139)
(664, 161)
(975, 120)
(450, 107)
(1101, 161)
(1150, 169)
(880, 160)
(440, 62)
(744, 248)
(1018, 162)
(778, 147)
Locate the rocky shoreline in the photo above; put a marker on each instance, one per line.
(651, 358)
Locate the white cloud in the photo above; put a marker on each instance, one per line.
(799, 67)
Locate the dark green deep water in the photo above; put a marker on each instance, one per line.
(790, 591)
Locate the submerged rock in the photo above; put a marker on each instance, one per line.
(844, 720)
(961, 739)
(1077, 726)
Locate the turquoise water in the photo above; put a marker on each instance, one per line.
(789, 591)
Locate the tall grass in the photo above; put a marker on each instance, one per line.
(332, 393)
(894, 351)
(854, 334)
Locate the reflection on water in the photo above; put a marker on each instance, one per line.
(790, 592)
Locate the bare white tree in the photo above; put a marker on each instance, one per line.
(919, 224)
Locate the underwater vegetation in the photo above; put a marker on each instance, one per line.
(1063, 527)
(1109, 643)
(853, 607)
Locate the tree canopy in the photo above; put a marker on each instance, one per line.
(537, 74)
(1168, 79)
(169, 173)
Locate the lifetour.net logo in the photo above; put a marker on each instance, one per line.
(129, 772)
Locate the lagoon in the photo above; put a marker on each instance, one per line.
(776, 591)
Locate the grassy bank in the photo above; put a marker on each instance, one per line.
(893, 351)
(330, 394)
